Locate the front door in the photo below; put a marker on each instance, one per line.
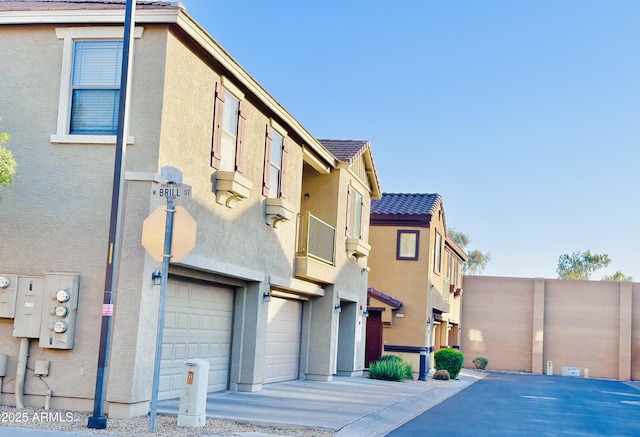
(373, 348)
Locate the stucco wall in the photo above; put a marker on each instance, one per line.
(56, 218)
(404, 280)
(519, 324)
(56, 215)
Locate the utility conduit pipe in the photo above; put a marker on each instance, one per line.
(21, 371)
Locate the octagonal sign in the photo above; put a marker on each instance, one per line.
(183, 236)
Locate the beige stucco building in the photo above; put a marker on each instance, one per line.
(276, 285)
(415, 279)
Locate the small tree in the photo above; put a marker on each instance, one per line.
(476, 260)
(618, 276)
(7, 163)
(581, 265)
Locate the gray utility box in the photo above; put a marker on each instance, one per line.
(8, 291)
(26, 323)
(193, 397)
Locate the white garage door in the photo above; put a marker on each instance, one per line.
(283, 340)
(198, 320)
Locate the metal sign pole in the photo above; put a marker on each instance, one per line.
(166, 257)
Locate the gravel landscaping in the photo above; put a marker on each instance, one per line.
(76, 422)
(166, 425)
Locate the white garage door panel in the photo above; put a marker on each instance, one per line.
(198, 321)
(283, 340)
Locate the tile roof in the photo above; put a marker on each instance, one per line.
(406, 204)
(15, 5)
(345, 150)
(383, 297)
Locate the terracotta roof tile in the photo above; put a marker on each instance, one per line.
(383, 297)
(345, 150)
(406, 204)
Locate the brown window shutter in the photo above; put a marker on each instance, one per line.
(240, 137)
(283, 168)
(361, 218)
(216, 139)
(348, 227)
(267, 162)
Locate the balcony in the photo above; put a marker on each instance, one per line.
(315, 257)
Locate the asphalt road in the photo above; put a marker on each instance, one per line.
(505, 404)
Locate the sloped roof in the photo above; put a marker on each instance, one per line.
(383, 297)
(348, 151)
(406, 204)
(345, 150)
(80, 4)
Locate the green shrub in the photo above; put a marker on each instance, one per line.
(449, 360)
(389, 358)
(442, 375)
(480, 363)
(391, 370)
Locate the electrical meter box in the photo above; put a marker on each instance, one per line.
(26, 323)
(59, 310)
(8, 291)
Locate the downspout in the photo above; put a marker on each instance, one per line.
(21, 371)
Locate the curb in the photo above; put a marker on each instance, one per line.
(380, 423)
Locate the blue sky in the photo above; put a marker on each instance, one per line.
(523, 115)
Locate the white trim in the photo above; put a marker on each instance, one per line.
(314, 161)
(87, 139)
(276, 127)
(68, 35)
(97, 16)
(229, 86)
(213, 266)
(144, 176)
(296, 285)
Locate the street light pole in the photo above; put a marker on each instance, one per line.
(98, 420)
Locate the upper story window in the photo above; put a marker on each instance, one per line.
(355, 206)
(228, 128)
(407, 245)
(95, 87)
(437, 261)
(90, 84)
(275, 158)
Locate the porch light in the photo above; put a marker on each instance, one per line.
(266, 296)
(156, 277)
(338, 308)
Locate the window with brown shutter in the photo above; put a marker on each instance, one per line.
(283, 168)
(216, 137)
(275, 162)
(348, 218)
(266, 187)
(240, 137)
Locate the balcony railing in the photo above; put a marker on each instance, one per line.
(316, 239)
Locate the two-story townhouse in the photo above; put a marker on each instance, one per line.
(265, 295)
(415, 280)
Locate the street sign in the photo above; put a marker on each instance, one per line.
(171, 174)
(167, 190)
(183, 234)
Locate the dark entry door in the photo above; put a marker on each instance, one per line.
(373, 348)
